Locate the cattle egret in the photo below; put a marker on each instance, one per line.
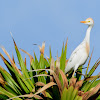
(81, 53)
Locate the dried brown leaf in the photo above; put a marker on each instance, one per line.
(41, 75)
(58, 61)
(33, 90)
(66, 62)
(72, 82)
(42, 48)
(38, 97)
(80, 93)
(92, 77)
(38, 76)
(43, 92)
(84, 95)
(13, 58)
(27, 95)
(52, 64)
(78, 84)
(57, 65)
(90, 93)
(58, 82)
(47, 57)
(52, 68)
(25, 61)
(39, 84)
(28, 55)
(97, 64)
(89, 61)
(66, 41)
(45, 87)
(57, 71)
(13, 64)
(65, 82)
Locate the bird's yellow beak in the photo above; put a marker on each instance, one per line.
(83, 21)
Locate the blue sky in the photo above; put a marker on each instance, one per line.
(52, 21)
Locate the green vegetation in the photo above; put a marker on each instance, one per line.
(46, 79)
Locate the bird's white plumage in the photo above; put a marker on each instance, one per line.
(81, 53)
(77, 57)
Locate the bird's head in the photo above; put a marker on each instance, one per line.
(88, 21)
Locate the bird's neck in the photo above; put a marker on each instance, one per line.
(87, 37)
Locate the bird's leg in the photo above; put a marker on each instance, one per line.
(73, 74)
(75, 68)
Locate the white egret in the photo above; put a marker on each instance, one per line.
(81, 53)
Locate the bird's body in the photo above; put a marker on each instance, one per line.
(81, 53)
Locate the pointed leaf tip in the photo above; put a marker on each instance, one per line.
(42, 48)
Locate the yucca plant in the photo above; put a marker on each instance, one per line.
(46, 79)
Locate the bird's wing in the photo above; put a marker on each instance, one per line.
(76, 56)
(79, 48)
